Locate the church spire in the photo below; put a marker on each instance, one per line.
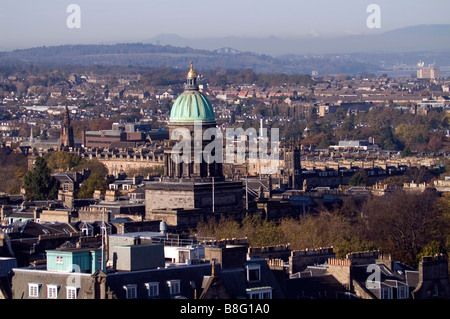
(66, 137)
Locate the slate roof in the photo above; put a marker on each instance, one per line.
(234, 280)
(189, 276)
(317, 287)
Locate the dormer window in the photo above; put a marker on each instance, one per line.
(174, 287)
(153, 289)
(72, 292)
(33, 290)
(130, 291)
(253, 272)
(52, 291)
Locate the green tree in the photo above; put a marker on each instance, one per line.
(359, 179)
(62, 161)
(39, 183)
(94, 165)
(219, 229)
(94, 182)
(432, 249)
(261, 232)
(406, 152)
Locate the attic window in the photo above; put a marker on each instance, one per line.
(153, 289)
(130, 291)
(33, 290)
(174, 287)
(253, 272)
(71, 292)
(52, 291)
(259, 293)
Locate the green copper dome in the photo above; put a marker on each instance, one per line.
(192, 106)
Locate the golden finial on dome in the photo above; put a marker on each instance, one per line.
(191, 73)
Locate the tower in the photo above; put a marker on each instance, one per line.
(292, 167)
(193, 113)
(66, 137)
(193, 189)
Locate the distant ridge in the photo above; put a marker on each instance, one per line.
(152, 55)
(372, 53)
(413, 38)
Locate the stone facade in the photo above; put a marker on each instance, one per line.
(433, 279)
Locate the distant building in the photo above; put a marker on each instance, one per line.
(66, 137)
(361, 145)
(428, 73)
(111, 138)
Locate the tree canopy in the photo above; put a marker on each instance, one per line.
(405, 225)
(39, 183)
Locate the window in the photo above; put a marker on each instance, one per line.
(435, 290)
(71, 292)
(402, 292)
(153, 289)
(52, 291)
(59, 260)
(253, 272)
(174, 287)
(386, 293)
(33, 290)
(130, 291)
(259, 293)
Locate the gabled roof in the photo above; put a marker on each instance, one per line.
(189, 276)
(316, 287)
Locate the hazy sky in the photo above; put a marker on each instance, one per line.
(29, 23)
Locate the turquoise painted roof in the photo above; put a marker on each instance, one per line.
(192, 106)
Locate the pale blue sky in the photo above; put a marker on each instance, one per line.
(28, 23)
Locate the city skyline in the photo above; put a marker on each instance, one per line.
(31, 24)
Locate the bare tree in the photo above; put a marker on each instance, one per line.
(402, 223)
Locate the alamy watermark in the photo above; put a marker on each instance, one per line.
(374, 279)
(374, 19)
(73, 21)
(240, 146)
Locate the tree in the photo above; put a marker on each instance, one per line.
(432, 249)
(39, 184)
(94, 182)
(219, 229)
(402, 223)
(261, 232)
(359, 178)
(94, 165)
(325, 230)
(62, 161)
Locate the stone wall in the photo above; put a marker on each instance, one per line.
(300, 259)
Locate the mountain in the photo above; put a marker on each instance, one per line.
(350, 54)
(139, 54)
(407, 39)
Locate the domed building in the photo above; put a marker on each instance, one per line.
(193, 112)
(191, 190)
(192, 105)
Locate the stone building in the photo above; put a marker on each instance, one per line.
(433, 279)
(66, 137)
(193, 183)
